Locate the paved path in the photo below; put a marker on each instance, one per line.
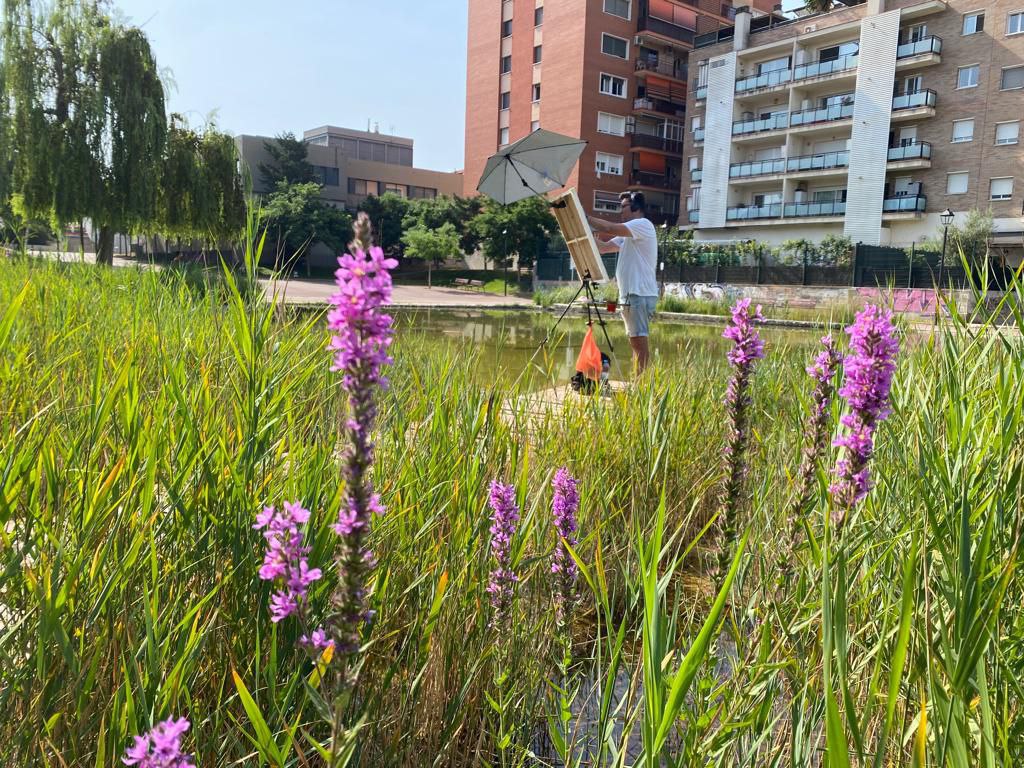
(300, 291)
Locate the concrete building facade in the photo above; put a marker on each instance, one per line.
(868, 122)
(612, 72)
(352, 165)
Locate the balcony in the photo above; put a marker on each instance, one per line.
(919, 150)
(823, 115)
(916, 100)
(905, 204)
(757, 168)
(696, 175)
(822, 68)
(648, 141)
(821, 162)
(654, 181)
(776, 122)
(648, 23)
(698, 136)
(754, 212)
(659, 106)
(766, 80)
(674, 69)
(693, 216)
(700, 90)
(923, 47)
(805, 210)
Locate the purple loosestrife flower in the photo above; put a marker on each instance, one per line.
(823, 371)
(362, 334)
(747, 348)
(564, 506)
(160, 747)
(867, 380)
(505, 515)
(285, 559)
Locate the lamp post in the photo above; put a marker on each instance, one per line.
(664, 248)
(946, 217)
(504, 252)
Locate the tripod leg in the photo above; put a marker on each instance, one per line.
(600, 319)
(561, 317)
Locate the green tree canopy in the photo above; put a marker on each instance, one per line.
(296, 218)
(433, 244)
(521, 228)
(433, 213)
(387, 214)
(288, 161)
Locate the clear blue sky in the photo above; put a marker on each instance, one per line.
(269, 66)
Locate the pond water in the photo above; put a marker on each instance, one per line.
(506, 342)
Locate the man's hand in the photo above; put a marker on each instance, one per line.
(609, 227)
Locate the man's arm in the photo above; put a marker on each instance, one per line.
(611, 227)
(603, 247)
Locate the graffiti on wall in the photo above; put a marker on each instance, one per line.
(703, 291)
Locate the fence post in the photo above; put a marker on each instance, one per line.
(853, 267)
(758, 278)
(718, 272)
(910, 266)
(803, 275)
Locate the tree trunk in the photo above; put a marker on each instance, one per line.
(105, 247)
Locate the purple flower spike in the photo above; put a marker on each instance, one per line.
(160, 747)
(564, 506)
(285, 559)
(362, 334)
(504, 517)
(823, 371)
(747, 348)
(867, 381)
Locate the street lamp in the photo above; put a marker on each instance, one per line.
(946, 217)
(504, 252)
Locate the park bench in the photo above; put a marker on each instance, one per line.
(471, 285)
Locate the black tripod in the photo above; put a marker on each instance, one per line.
(586, 286)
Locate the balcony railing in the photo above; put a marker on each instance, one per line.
(820, 162)
(822, 115)
(773, 123)
(656, 180)
(757, 168)
(919, 150)
(766, 80)
(693, 216)
(659, 105)
(647, 23)
(822, 68)
(696, 175)
(698, 135)
(905, 204)
(700, 90)
(674, 69)
(930, 44)
(830, 208)
(925, 98)
(751, 212)
(647, 141)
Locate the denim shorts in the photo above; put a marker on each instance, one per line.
(637, 312)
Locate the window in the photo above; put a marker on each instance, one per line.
(536, 91)
(504, 100)
(614, 46)
(395, 189)
(963, 131)
(506, 28)
(1012, 79)
(775, 65)
(503, 137)
(537, 54)
(538, 16)
(915, 33)
(360, 186)
(611, 164)
(607, 202)
(974, 23)
(617, 8)
(421, 193)
(835, 52)
(828, 196)
(613, 124)
(506, 64)
(696, 123)
(1015, 23)
(956, 183)
(329, 177)
(612, 85)
(694, 163)
(535, 126)
(967, 77)
(1007, 133)
(1002, 189)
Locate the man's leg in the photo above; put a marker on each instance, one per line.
(641, 353)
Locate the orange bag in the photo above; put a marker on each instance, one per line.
(589, 361)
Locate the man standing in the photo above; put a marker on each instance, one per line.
(636, 272)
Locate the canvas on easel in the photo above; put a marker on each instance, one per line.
(579, 238)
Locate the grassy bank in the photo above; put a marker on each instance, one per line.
(145, 419)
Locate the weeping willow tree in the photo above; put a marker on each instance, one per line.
(86, 114)
(201, 195)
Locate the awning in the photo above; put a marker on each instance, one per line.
(1007, 240)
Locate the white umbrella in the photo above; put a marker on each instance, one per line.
(534, 165)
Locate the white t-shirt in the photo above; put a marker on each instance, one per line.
(637, 268)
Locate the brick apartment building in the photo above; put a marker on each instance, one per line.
(612, 72)
(867, 121)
